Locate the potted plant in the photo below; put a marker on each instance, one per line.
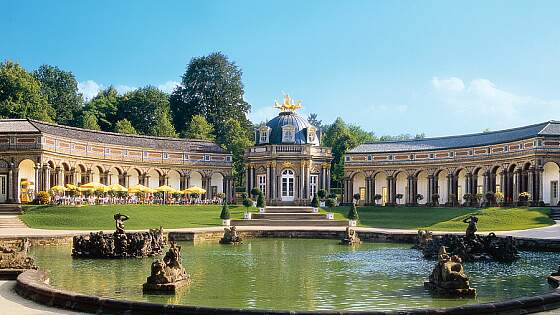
(352, 215)
(499, 196)
(376, 197)
(247, 202)
(330, 203)
(524, 198)
(356, 197)
(261, 202)
(255, 193)
(399, 197)
(225, 214)
(315, 204)
(477, 199)
(435, 199)
(490, 198)
(468, 200)
(321, 194)
(419, 197)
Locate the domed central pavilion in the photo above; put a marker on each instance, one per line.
(288, 164)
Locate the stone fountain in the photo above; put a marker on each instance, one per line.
(470, 247)
(167, 274)
(351, 237)
(119, 244)
(14, 258)
(448, 277)
(230, 236)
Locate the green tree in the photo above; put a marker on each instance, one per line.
(199, 128)
(147, 109)
(236, 140)
(260, 200)
(90, 121)
(124, 126)
(225, 214)
(353, 213)
(104, 107)
(20, 94)
(342, 137)
(61, 89)
(211, 86)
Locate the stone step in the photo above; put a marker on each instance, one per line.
(290, 216)
(266, 222)
(287, 209)
(7, 208)
(11, 221)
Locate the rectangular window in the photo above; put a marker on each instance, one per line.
(479, 189)
(288, 134)
(362, 193)
(264, 136)
(165, 155)
(313, 181)
(206, 157)
(261, 180)
(228, 158)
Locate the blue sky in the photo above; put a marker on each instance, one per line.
(438, 67)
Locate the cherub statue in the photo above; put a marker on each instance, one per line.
(119, 222)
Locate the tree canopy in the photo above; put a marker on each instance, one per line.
(199, 128)
(124, 126)
(236, 140)
(90, 121)
(61, 90)
(20, 94)
(211, 86)
(147, 109)
(104, 107)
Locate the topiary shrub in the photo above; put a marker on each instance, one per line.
(330, 202)
(315, 202)
(376, 197)
(43, 197)
(321, 194)
(353, 213)
(356, 197)
(255, 192)
(225, 214)
(247, 203)
(260, 200)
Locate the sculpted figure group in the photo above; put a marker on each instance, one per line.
(230, 236)
(351, 237)
(119, 244)
(167, 274)
(448, 277)
(470, 247)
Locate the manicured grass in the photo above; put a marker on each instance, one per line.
(141, 216)
(449, 219)
(150, 216)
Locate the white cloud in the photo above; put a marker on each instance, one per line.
(123, 88)
(452, 84)
(482, 99)
(168, 86)
(89, 89)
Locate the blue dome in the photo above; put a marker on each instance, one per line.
(301, 129)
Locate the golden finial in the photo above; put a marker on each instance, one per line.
(288, 105)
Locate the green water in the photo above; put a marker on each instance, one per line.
(298, 274)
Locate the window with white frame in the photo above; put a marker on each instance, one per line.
(313, 183)
(206, 157)
(311, 134)
(263, 133)
(288, 134)
(261, 181)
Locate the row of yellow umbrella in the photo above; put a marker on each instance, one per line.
(93, 186)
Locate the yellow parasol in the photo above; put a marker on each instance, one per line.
(137, 189)
(93, 185)
(166, 189)
(26, 183)
(117, 188)
(58, 188)
(71, 187)
(150, 190)
(194, 190)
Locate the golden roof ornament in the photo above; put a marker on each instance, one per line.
(288, 105)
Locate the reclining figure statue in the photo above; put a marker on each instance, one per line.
(448, 277)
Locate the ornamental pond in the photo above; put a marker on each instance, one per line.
(298, 274)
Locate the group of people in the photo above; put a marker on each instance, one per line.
(159, 199)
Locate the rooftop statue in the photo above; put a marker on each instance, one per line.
(288, 105)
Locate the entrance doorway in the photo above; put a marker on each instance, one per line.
(287, 185)
(554, 193)
(3, 188)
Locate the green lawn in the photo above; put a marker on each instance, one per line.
(450, 219)
(149, 216)
(141, 216)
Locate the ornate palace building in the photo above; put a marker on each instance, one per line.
(510, 161)
(35, 156)
(288, 163)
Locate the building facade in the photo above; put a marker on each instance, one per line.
(288, 164)
(512, 161)
(35, 156)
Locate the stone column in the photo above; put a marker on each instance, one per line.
(369, 194)
(540, 183)
(47, 178)
(328, 182)
(267, 181)
(450, 190)
(302, 181)
(10, 191)
(414, 190)
(37, 179)
(516, 184)
(531, 185)
(429, 190)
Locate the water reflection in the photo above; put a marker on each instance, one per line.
(297, 274)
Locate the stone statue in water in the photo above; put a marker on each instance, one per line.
(119, 222)
(472, 228)
(167, 274)
(230, 236)
(448, 277)
(351, 237)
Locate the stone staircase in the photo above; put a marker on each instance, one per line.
(288, 216)
(554, 213)
(9, 216)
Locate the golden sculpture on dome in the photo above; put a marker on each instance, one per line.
(288, 105)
